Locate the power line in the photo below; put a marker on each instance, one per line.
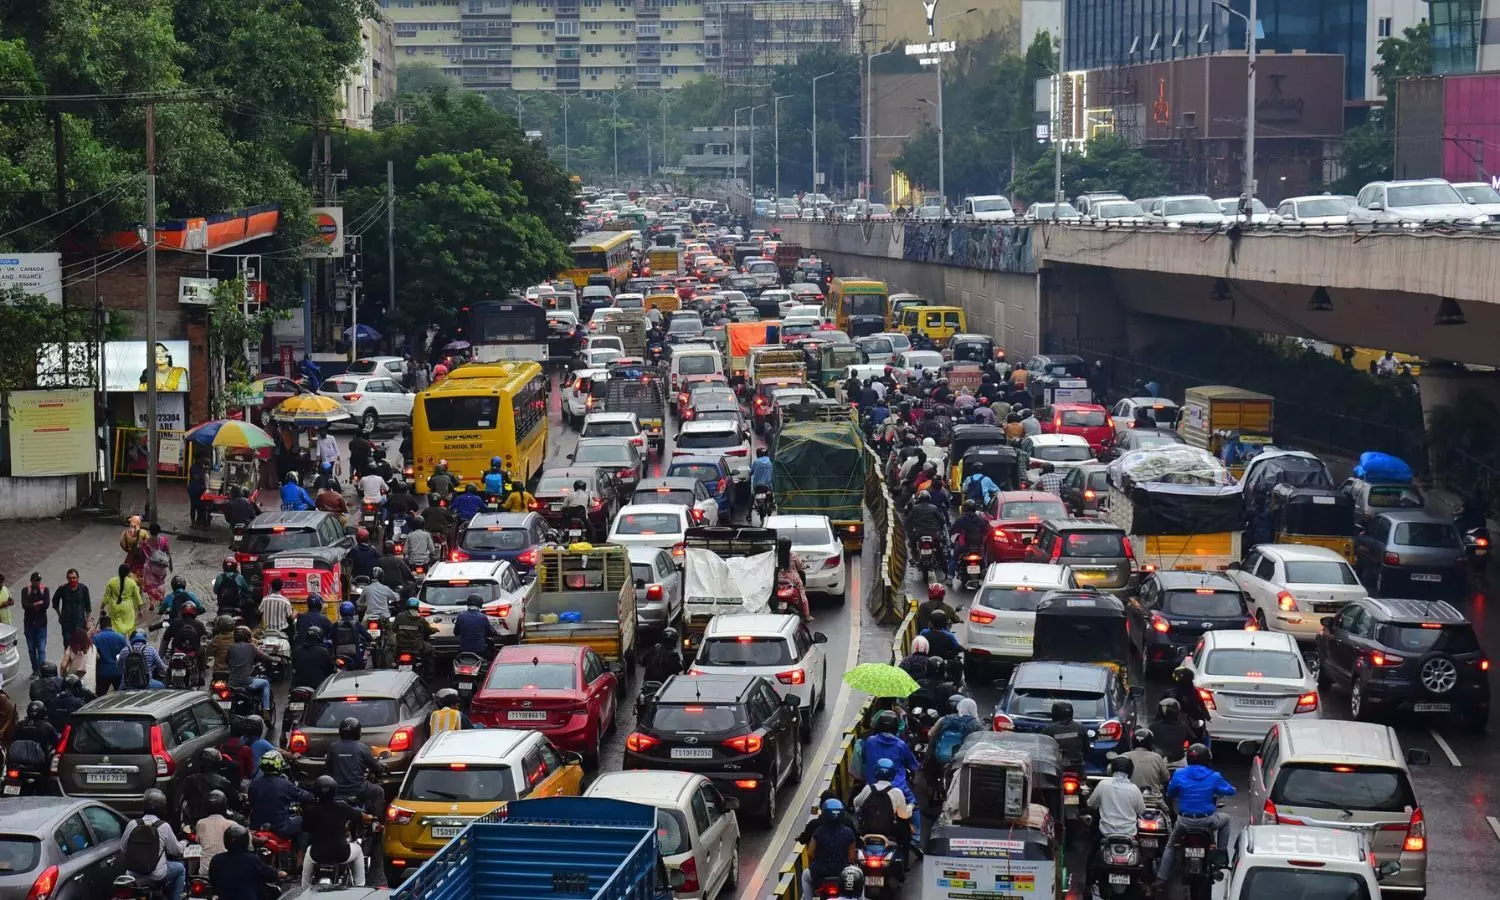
(59, 212)
(98, 209)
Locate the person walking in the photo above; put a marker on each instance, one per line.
(197, 483)
(7, 602)
(79, 657)
(72, 604)
(121, 601)
(107, 646)
(158, 563)
(34, 602)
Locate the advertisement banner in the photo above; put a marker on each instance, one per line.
(33, 273)
(171, 412)
(995, 878)
(51, 433)
(126, 364)
(328, 242)
(131, 452)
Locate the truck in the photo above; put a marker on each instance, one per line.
(787, 256)
(726, 569)
(584, 848)
(645, 395)
(587, 598)
(1178, 508)
(664, 260)
(774, 361)
(819, 469)
(742, 336)
(630, 327)
(1226, 421)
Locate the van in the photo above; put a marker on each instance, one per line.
(938, 323)
(1003, 615)
(693, 360)
(1303, 862)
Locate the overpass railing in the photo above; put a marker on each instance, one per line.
(992, 247)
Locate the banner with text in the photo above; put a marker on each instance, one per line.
(51, 433)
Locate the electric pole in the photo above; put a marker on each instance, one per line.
(153, 430)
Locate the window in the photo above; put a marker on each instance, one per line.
(97, 736)
(210, 717)
(461, 413)
(1265, 569)
(1323, 786)
(567, 28)
(72, 836)
(700, 812)
(441, 783)
(529, 409)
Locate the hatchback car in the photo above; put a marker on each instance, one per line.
(1098, 552)
(719, 439)
(1411, 553)
(391, 706)
(1101, 704)
(697, 831)
(661, 525)
(273, 532)
(59, 848)
(1348, 775)
(684, 491)
(1002, 617)
(579, 393)
(615, 425)
(121, 745)
(445, 594)
(732, 728)
(819, 549)
(1160, 410)
(1250, 679)
(1291, 587)
(1185, 605)
(777, 647)
(1086, 420)
(511, 537)
(1015, 519)
(715, 473)
(1085, 490)
(658, 593)
(1408, 656)
(567, 693)
(617, 456)
(556, 484)
(461, 775)
(370, 399)
(1060, 452)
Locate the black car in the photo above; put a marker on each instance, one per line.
(1412, 656)
(281, 530)
(732, 728)
(1183, 605)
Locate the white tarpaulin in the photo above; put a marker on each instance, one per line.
(735, 584)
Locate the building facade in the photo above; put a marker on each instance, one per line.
(373, 78)
(1461, 42)
(1387, 18)
(748, 38)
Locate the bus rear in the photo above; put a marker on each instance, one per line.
(478, 413)
(505, 331)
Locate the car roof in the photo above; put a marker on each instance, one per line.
(753, 624)
(1060, 675)
(1336, 741)
(1177, 578)
(711, 425)
(1075, 407)
(37, 815)
(368, 683)
(487, 745)
(674, 509)
(505, 519)
(675, 482)
(142, 703)
(1017, 496)
(610, 417)
(803, 520)
(359, 376)
(1151, 401)
(584, 472)
(1300, 552)
(1250, 640)
(288, 518)
(1415, 515)
(700, 460)
(1416, 612)
(645, 786)
(713, 688)
(520, 654)
(1057, 440)
(1302, 843)
(1083, 525)
(472, 569)
(1040, 574)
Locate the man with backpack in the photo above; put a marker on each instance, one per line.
(881, 808)
(231, 590)
(948, 734)
(140, 666)
(152, 853)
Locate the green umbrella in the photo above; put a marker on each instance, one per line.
(880, 680)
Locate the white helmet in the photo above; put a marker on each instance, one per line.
(928, 442)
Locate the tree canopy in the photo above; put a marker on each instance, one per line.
(1109, 163)
(1369, 150)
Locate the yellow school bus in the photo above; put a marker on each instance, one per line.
(858, 305)
(599, 256)
(481, 411)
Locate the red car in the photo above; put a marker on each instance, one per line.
(1089, 421)
(1016, 516)
(566, 693)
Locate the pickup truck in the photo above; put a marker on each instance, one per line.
(726, 569)
(646, 396)
(587, 598)
(584, 848)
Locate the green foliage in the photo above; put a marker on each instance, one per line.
(31, 323)
(229, 328)
(1109, 164)
(1369, 150)
(1464, 438)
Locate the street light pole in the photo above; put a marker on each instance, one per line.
(869, 115)
(942, 172)
(752, 149)
(776, 138)
(815, 129)
(614, 115)
(565, 99)
(1247, 178)
(734, 147)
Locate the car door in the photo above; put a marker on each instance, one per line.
(714, 845)
(1261, 772)
(813, 659)
(1337, 656)
(599, 683)
(781, 723)
(1071, 491)
(564, 776)
(399, 397)
(671, 581)
(83, 860)
(1369, 545)
(1245, 577)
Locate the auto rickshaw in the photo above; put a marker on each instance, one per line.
(1024, 859)
(966, 438)
(1321, 517)
(1085, 626)
(1046, 763)
(833, 360)
(1002, 464)
(311, 570)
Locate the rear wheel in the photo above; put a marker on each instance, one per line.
(1360, 708)
(369, 420)
(768, 815)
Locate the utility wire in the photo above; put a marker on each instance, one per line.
(59, 212)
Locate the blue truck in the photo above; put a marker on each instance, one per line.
(563, 848)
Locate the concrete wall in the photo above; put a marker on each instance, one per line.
(38, 498)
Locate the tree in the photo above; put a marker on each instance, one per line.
(1108, 163)
(420, 77)
(1369, 150)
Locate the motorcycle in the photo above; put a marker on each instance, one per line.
(24, 781)
(764, 502)
(372, 518)
(468, 670)
(296, 702)
(926, 556)
(275, 851)
(1477, 548)
(275, 645)
(971, 570)
(1121, 870)
(880, 857)
(790, 596)
(919, 723)
(1200, 859)
(182, 670)
(378, 656)
(1152, 829)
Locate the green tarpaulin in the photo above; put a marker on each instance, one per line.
(818, 468)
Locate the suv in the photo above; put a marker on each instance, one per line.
(1277, 861)
(1345, 775)
(271, 532)
(1003, 615)
(1412, 203)
(1411, 552)
(1414, 655)
(1184, 605)
(446, 591)
(777, 647)
(1098, 553)
(391, 705)
(119, 746)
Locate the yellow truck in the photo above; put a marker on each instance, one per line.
(664, 261)
(1229, 422)
(587, 598)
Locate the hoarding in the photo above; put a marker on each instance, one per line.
(126, 366)
(33, 273)
(51, 433)
(328, 242)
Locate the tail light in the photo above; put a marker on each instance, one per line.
(400, 740)
(1270, 814)
(1057, 546)
(1391, 559)
(1481, 542)
(1111, 731)
(654, 593)
(746, 743)
(535, 505)
(792, 676)
(1286, 602)
(627, 473)
(297, 743)
(373, 625)
(498, 612)
(1129, 550)
(1207, 696)
(352, 397)
(1483, 664)
(1307, 703)
(1149, 825)
(1251, 625)
(1416, 833)
(679, 550)
(45, 884)
(1000, 535)
(62, 747)
(639, 743)
(689, 870)
(1088, 494)
(1159, 623)
(697, 515)
(722, 486)
(1070, 783)
(528, 558)
(832, 562)
(1057, 421)
(244, 557)
(165, 766)
(1385, 660)
(597, 504)
(1002, 722)
(980, 617)
(398, 815)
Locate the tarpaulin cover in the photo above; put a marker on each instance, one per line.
(744, 335)
(719, 580)
(1377, 466)
(1171, 463)
(1186, 509)
(819, 469)
(965, 792)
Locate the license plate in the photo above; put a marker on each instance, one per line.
(12, 790)
(295, 707)
(1070, 800)
(1256, 702)
(224, 705)
(1431, 707)
(529, 715)
(1195, 852)
(555, 507)
(1148, 843)
(192, 851)
(179, 672)
(692, 753)
(446, 831)
(466, 685)
(973, 570)
(104, 778)
(1119, 879)
(403, 667)
(875, 880)
(1427, 577)
(1018, 640)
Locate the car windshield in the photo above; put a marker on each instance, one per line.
(1236, 662)
(460, 782)
(1423, 195)
(1033, 510)
(1320, 572)
(1010, 599)
(19, 853)
(879, 209)
(1062, 452)
(558, 484)
(1330, 206)
(1426, 534)
(704, 472)
(646, 524)
(263, 542)
(745, 651)
(685, 325)
(532, 676)
(1053, 210)
(1395, 497)
(671, 718)
(1423, 639)
(1302, 884)
(1161, 415)
(372, 712)
(1094, 543)
(992, 204)
(610, 429)
(702, 440)
(1037, 702)
(1189, 206)
(613, 454)
(1478, 193)
(95, 736)
(697, 364)
(362, 367)
(1119, 209)
(761, 268)
(1330, 786)
(1204, 604)
(805, 535)
(1083, 418)
(496, 537)
(456, 593)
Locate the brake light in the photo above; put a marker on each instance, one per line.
(62, 747)
(164, 763)
(1286, 601)
(689, 870)
(1308, 702)
(528, 558)
(746, 743)
(1484, 665)
(457, 556)
(352, 397)
(244, 557)
(1385, 660)
(1057, 551)
(498, 612)
(639, 743)
(1207, 696)
(1250, 625)
(1057, 421)
(1002, 722)
(1271, 815)
(1149, 825)
(401, 740)
(679, 550)
(1111, 730)
(1159, 623)
(297, 743)
(1070, 784)
(45, 884)
(1000, 535)
(398, 815)
(1391, 559)
(1416, 833)
(697, 515)
(373, 625)
(1088, 494)
(747, 784)
(1129, 550)
(792, 676)
(980, 617)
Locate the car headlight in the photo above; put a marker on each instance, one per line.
(1481, 219)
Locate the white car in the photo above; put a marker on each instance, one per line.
(390, 366)
(617, 425)
(1063, 451)
(652, 525)
(1197, 210)
(807, 310)
(906, 362)
(988, 208)
(899, 341)
(1302, 861)
(602, 315)
(370, 398)
(599, 357)
(1291, 587)
(579, 392)
(561, 323)
(445, 592)
(1413, 203)
(10, 653)
(1259, 214)
(697, 831)
(1250, 680)
(819, 549)
(1118, 212)
(1482, 195)
(1160, 410)
(630, 301)
(716, 437)
(773, 645)
(603, 342)
(1318, 209)
(1002, 617)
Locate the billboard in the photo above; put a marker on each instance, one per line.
(51, 433)
(328, 242)
(34, 273)
(126, 364)
(1471, 131)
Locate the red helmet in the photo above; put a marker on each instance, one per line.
(936, 592)
(230, 563)
(362, 534)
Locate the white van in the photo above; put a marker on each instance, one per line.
(693, 360)
(1002, 617)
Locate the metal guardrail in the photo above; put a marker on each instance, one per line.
(890, 543)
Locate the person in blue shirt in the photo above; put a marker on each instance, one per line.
(979, 487)
(472, 627)
(832, 846)
(760, 470)
(271, 799)
(109, 643)
(885, 743)
(314, 617)
(363, 558)
(468, 504)
(494, 479)
(292, 494)
(1194, 791)
(252, 733)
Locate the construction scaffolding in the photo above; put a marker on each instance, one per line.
(755, 36)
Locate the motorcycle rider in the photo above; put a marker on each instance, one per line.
(174, 603)
(577, 506)
(154, 669)
(314, 617)
(69, 700)
(447, 717)
(1072, 738)
(363, 558)
(348, 761)
(373, 488)
(382, 466)
(33, 741)
(915, 662)
(663, 659)
(494, 479)
(378, 598)
(1120, 806)
(326, 821)
(760, 472)
(393, 569)
(421, 549)
(154, 859)
(1149, 772)
(311, 660)
(237, 873)
(199, 786)
(935, 602)
(349, 637)
(241, 509)
(833, 846)
(401, 504)
(940, 639)
(210, 828)
(271, 798)
(187, 635)
(330, 499)
(1194, 791)
(472, 627)
(889, 814)
(231, 590)
(441, 482)
(438, 521)
(275, 609)
(468, 504)
(411, 631)
(790, 573)
(925, 520)
(240, 662)
(293, 496)
(1171, 732)
(1194, 710)
(360, 450)
(969, 532)
(326, 480)
(519, 499)
(885, 743)
(219, 644)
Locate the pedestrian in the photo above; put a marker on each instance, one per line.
(34, 602)
(130, 542)
(121, 601)
(71, 603)
(328, 451)
(107, 646)
(6, 602)
(79, 656)
(158, 553)
(197, 483)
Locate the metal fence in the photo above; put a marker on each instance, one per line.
(888, 541)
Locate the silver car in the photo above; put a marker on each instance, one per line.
(69, 846)
(1412, 203)
(658, 592)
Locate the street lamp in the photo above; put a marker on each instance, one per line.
(565, 99)
(752, 148)
(776, 137)
(734, 155)
(869, 115)
(1247, 182)
(815, 127)
(520, 105)
(614, 121)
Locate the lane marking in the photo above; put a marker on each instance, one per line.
(1494, 825)
(1447, 750)
(812, 770)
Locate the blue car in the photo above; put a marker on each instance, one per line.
(512, 537)
(1100, 703)
(715, 474)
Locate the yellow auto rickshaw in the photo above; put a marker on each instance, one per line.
(1321, 517)
(966, 438)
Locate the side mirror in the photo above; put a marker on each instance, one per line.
(1235, 566)
(1248, 748)
(1416, 756)
(570, 457)
(730, 804)
(573, 757)
(1326, 621)
(1138, 692)
(819, 637)
(1377, 205)
(1387, 869)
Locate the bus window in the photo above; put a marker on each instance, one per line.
(461, 413)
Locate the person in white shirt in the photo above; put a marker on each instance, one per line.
(328, 451)
(1118, 801)
(210, 829)
(877, 386)
(373, 487)
(378, 598)
(275, 609)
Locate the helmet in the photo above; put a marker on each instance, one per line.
(924, 497)
(224, 623)
(474, 601)
(919, 645)
(362, 534)
(885, 769)
(73, 683)
(472, 488)
(349, 729)
(273, 763)
(179, 583)
(1062, 711)
(669, 638)
(889, 370)
(447, 698)
(1122, 764)
(291, 478)
(1182, 675)
(938, 619)
(580, 485)
(217, 803)
(833, 807)
(1144, 738)
(347, 610)
(936, 592)
(494, 462)
(315, 635)
(1170, 709)
(413, 603)
(324, 787)
(190, 611)
(230, 564)
(852, 882)
(971, 506)
(1199, 755)
(154, 802)
(237, 837)
(36, 709)
(376, 572)
(241, 634)
(314, 601)
(928, 442)
(886, 721)
(210, 758)
(138, 637)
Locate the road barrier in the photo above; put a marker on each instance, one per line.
(886, 599)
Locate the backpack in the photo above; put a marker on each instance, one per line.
(877, 815)
(142, 848)
(135, 674)
(228, 592)
(974, 489)
(947, 742)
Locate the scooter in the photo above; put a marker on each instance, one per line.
(926, 556)
(881, 859)
(764, 502)
(378, 656)
(1201, 859)
(182, 670)
(296, 702)
(275, 645)
(468, 670)
(1121, 870)
(24, 781)
(971, 570)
